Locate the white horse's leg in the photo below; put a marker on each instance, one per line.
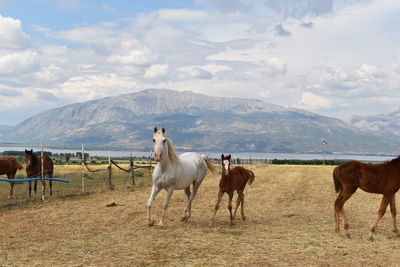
(154, 192)
(169, 195)
(188, 209)
(187, 192)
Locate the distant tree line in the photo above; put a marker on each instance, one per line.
(306, 162)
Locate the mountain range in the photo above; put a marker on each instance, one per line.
(199, 122)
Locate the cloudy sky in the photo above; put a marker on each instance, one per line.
(334, 57)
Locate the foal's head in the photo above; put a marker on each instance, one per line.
(163, 147)
(226, 163)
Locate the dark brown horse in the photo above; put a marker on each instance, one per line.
(382, 179)
(231, 180)
(34, 170)
(9, 166)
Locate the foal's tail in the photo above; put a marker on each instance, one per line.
(210, 165)
(251, 177)
(338, 184)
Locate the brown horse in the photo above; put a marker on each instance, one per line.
(382, 179)
(9, 166)
(231, 180)
(34, 169)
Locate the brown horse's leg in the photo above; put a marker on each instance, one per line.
(385, 202)
(394, 211)
(220, 194)
(51, 187)
(30, 189)
(11, 176)
(35, 187)
(339, 210)
(43, 188)
(230, 194)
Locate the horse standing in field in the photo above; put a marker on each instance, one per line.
(231, 180)
(34, 169)
(175, 173)
(382, 179)
(9, 166)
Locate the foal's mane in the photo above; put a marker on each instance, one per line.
(171, 150)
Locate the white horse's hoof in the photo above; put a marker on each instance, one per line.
(160, 224)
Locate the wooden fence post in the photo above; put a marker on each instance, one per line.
(150, 158)
(132, 163)
(83, 171)
(42, 169)
(111, 186)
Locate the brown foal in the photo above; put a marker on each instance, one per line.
(382, 179)
(231, 180)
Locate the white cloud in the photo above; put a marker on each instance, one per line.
(156, 71)
(18, 62)
(312, 101)
(11, 34)
(182, 15)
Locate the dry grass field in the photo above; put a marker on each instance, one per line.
(289, 222)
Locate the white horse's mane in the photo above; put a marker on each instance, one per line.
(171, 150)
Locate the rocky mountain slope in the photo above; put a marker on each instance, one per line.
(195, 122)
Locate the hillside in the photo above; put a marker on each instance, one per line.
(195, 121)
(387, 123)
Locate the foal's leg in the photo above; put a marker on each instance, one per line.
(220, 194)
(242, 207)
(51, 187)
(154, 192)
(393, 211)
(385, 201)
(230, 194)
(239, 200)
(169, 195)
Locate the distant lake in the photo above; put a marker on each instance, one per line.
(241, 155)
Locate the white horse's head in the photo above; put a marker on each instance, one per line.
(163, 146)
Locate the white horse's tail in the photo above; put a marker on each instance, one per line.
(210, 165)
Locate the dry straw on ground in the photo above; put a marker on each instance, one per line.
(289, 222)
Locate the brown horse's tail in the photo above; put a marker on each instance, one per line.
(338, 185)
(251, 177)
(16, 164)
(210, 165)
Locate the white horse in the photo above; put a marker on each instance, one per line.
(173, 172)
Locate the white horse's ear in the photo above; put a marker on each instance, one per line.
(155, 129)
(163, 130)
